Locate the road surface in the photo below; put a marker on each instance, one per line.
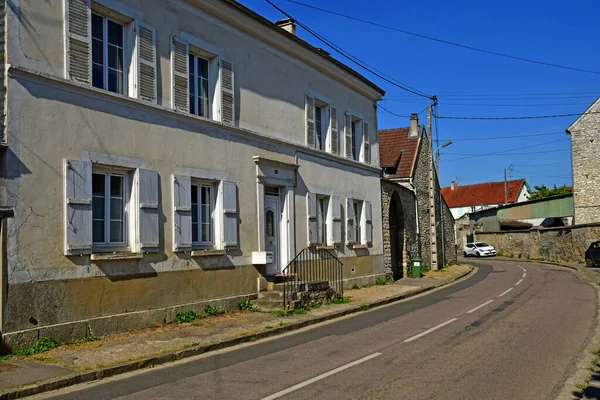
(512, 331)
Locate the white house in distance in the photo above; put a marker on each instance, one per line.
(466, 199)
(165, 155)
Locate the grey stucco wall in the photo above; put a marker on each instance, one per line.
(585, 147)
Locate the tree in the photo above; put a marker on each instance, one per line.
(542, 192)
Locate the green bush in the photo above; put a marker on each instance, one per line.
(185, 316)
(381, 281)
(212, 311)
(247, 305)
(339, 300)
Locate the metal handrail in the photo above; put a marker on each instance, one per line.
(311, 265)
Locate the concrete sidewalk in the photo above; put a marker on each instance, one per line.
(110, 355)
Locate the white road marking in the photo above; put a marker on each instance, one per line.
(524, 275)
(430, 330)
(322, 376)
(503, 293)
(480, 306)
(519, 282)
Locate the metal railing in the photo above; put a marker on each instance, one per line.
(311, 266)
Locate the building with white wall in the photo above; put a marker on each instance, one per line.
(164, 156)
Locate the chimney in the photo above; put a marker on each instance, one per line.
(414, 126)
(288, 25)
(454, 185)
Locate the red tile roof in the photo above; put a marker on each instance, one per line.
(482, 193)
(396, 148)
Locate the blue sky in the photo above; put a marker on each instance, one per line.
(469, 83)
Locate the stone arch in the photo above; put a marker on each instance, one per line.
(397, 236)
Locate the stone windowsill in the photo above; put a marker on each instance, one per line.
(116, 256)
(360, 246)
(325, 247)
(208, 253)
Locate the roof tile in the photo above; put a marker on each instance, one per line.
(395, 147)
(482, 193)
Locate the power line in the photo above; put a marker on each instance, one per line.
(522, 117)
(354, 59)
(494, 97)
(446, 41)
(496, 105)
(508, 137)
(546, 176)
(502, 152)
(496, 155)
(541, 165)
(398, 115)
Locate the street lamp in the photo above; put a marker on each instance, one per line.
(437, 162)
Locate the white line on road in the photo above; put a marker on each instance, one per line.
(480, 306)
(519, 282)
(430, 330)
(524, 275)
(503, 293)
(322, 376)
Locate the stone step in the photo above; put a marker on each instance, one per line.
(269, 304)
(271, 295)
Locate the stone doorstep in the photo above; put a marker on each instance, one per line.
(145, 362)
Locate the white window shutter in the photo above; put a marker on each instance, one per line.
(147, 63)
(227, 91)
(230, 214)
(335, 221)
(366, 144)
(335, 139)
(78, 207)
(311, 220)
(182, 213)
(309, 107)
(78, 36)
(180, 90)
(148, 228)
(350, 232)
(348, 126)
(367, 227)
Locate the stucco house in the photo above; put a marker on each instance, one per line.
(585, 147)
(464, 199)
(162, 156)
(412, 224)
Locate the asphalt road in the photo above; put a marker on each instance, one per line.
(511, 331)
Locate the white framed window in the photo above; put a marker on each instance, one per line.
(358, 206)
(108, 61)
(321, 124)
(322, 210)
(203, 206)
(199, 86)
(109, 208)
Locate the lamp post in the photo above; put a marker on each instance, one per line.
(448, 143)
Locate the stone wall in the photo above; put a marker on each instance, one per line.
(566, 244)
(585, 147)
(407, 198)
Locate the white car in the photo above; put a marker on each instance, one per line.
(479, 249)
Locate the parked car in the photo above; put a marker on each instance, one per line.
(592, 255)
(479, 249)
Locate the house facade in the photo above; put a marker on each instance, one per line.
(585, 146)
(464, 199)
(161, 156)
(414, 224)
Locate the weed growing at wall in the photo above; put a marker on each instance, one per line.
(247, 305)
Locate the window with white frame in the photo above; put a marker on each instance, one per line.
(108, 54)
(199, 86)
(322, 207)
(357, 204)
(109, 208)
(203, 206)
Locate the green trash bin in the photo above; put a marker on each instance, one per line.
(416, 267)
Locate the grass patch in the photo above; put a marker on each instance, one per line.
(339, 300)
(247, 305)
(43, 344)
(364, 307)
(189, 315)
(382, 281)
(287, 313)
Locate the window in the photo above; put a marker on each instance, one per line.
(109, 208)
(199, 86)
(107, 55)
(202, 214)
(354, 147)
(357, 220)
(320, 142)
(322, 204)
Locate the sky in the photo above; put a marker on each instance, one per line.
(469, 83)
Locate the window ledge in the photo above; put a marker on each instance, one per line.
(360, 246)
(208, 253)
(325, 247)
(116, 256)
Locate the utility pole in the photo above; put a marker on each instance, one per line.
(505, 188)
(432, 225)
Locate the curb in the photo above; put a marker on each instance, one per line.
(106, 372)
(543, 262)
